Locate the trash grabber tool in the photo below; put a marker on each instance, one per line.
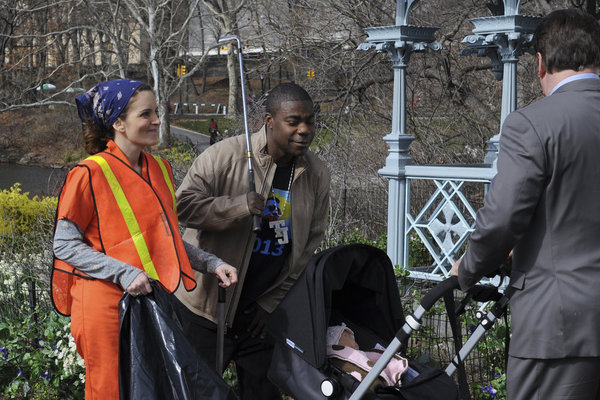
(227, 39)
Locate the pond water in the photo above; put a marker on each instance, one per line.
(43, 181)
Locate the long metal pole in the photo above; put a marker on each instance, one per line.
(227, 39)
(252, 186)
(220, 330)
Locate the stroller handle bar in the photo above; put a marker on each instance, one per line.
(413, 322)
(438, 292)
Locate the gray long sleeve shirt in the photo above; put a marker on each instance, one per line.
(69, 246)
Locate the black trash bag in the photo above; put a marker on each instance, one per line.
(156, 361)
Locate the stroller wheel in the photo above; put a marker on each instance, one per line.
(329, 388)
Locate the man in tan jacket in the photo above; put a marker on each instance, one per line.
(216, 206)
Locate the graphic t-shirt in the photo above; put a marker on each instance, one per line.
(273, 242)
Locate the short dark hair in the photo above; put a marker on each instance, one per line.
(284, 92)
(568, 39)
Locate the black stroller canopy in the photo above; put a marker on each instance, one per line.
(354, 284)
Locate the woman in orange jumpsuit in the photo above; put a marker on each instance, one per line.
(117, 227)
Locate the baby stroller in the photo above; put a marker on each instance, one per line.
(355, 284)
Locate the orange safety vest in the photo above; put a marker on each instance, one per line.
(137, 225)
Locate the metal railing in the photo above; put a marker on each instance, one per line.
(444, 216)
(179, 108)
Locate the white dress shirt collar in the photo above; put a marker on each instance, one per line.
(572, 78)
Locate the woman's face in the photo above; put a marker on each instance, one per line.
(140, 126)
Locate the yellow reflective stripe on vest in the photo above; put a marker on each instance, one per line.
(128, 216)
(167, 177)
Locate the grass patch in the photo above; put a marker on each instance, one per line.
(73, 156)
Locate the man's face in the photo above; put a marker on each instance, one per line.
(290, 131)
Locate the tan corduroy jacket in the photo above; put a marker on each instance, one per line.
(212, 205)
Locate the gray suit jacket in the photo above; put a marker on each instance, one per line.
(545, 203)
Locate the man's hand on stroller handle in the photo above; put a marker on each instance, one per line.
(504, 268)
(454, 270)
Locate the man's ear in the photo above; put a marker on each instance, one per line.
(541, 67)
(269, 120)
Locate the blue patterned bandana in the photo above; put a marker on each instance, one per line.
(104, 102)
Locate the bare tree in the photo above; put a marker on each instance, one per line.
(164, 25)
(8, 21)
(34, 54)
(114, 29)
(72, 44)
(225, 13)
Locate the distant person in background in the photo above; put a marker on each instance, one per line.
(213, 130)
(117, 227)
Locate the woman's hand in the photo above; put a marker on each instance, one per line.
(140, 285)
(226, 274)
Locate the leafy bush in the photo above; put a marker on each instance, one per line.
(417, 254)
(180, 155)
(37, 354)
(230, 376)
(357, 236)
(21, 216)
(496, 389)
(73, 156)
(25, 250)
(38, 357)
(23, 279)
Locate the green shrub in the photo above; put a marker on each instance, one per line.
(37, 357)
(21, 216)
(23, 279)
(496, 389)
(180, 155)
(356, 236)
(34, 341)
(417, 254)
(74, 155)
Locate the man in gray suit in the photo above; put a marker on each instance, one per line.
(544, 204)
